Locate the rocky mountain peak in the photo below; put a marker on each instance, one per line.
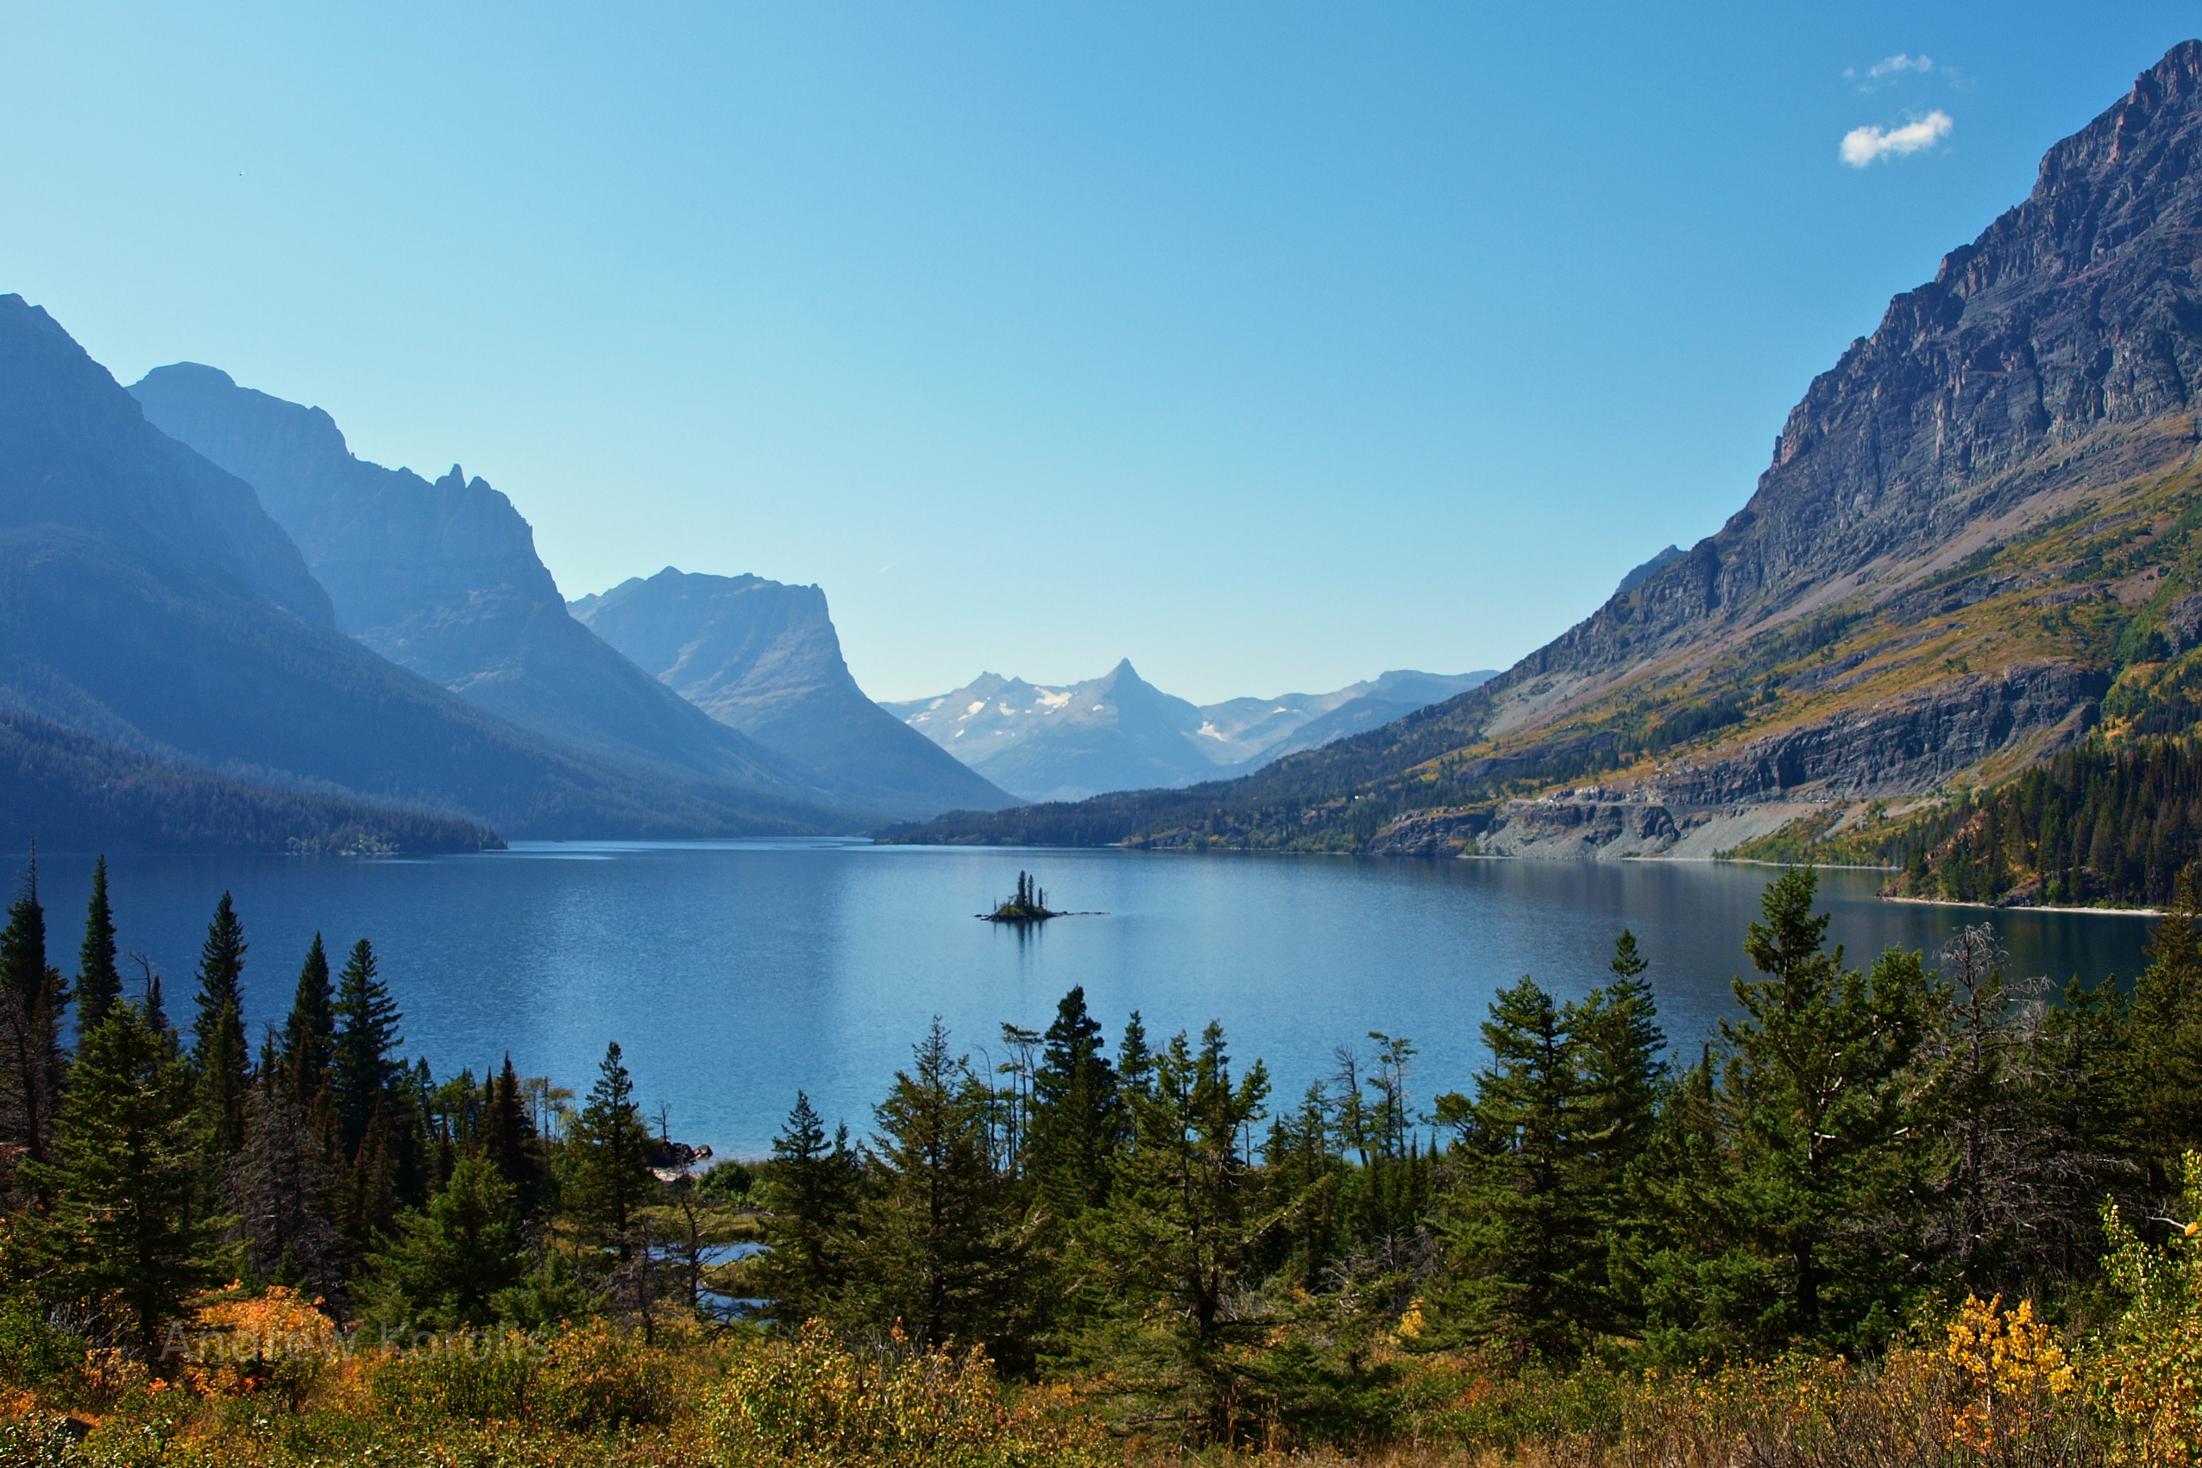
(2024, 366)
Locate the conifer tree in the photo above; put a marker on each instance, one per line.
(1519, 1225)
(98, 979)
(219, 1053)
(124, 1240)
(156, 1009)
(32, 999)
(1619, 1047)
(371, 1185)
(1134, 1061)
(1184, 1230)
(1812, 1101)
(451, 1261)
(2165, 1079)
(364, 1069)
(610, 1153)
(510, 1143)
(1077, 1117)
(309, 1034)
(937, 1248)
(1670, 1265)
(813, 1185)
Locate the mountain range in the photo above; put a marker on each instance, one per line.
(763, 658)
(223, 628)
(1979, 540)
(1119, 732)
(150, 603)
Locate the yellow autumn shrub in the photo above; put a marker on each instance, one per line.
(810, 1403)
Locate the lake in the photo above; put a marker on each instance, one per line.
(733, 972)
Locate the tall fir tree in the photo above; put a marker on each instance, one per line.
(1817, 1109)
(813, 1184)
(219, 1052)
(1619, 1052)
(125, 1240)
(2165, 1074)
(937, 1248)
(1519, 1224)
(33, 997)
(1077, 1117)
(510, 1142)
(98, 978)
(1182, 1237)
(309, 1034)
(364, 1069)
(285, 1193)
(609, 1155)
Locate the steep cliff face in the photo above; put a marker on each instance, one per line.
(2002, 379)
(442, 578)
(764, 658)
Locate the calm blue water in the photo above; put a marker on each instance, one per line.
(731, 973)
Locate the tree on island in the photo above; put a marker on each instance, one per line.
(1029, 905)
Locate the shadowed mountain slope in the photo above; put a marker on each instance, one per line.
(149, 602)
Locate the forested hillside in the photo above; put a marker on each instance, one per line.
(77, 793)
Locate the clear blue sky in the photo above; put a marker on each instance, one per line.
(1266, 344)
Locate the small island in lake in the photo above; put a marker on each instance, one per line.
(1029, 905)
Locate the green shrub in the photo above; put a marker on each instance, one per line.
(461, 1377)
(32, 1351)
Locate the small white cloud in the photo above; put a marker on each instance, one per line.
(1890, 70)
(1900, 62)
(1863, 146)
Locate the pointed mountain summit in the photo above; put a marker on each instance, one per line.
(1120, 732)
(764, 658)
(442, 578)
(1974, 543)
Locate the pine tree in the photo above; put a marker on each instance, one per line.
(1519, 1226)
(1184, 1231)
(610, 1158)
(510, 1142)
(364, 1069)
(1813, 1103)
(1134, 1060)
(124, 1241)
(1619, 1048)
(309, 1035)
(370, 1185)
(98, 979)
(937, 1247)
(450, 1262)
(813, 1185)
(1077, 1117)
(219, 1053)
(32, 999)
(2165, 1083)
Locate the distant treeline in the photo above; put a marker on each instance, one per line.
(73, 792)
(2103, 823)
